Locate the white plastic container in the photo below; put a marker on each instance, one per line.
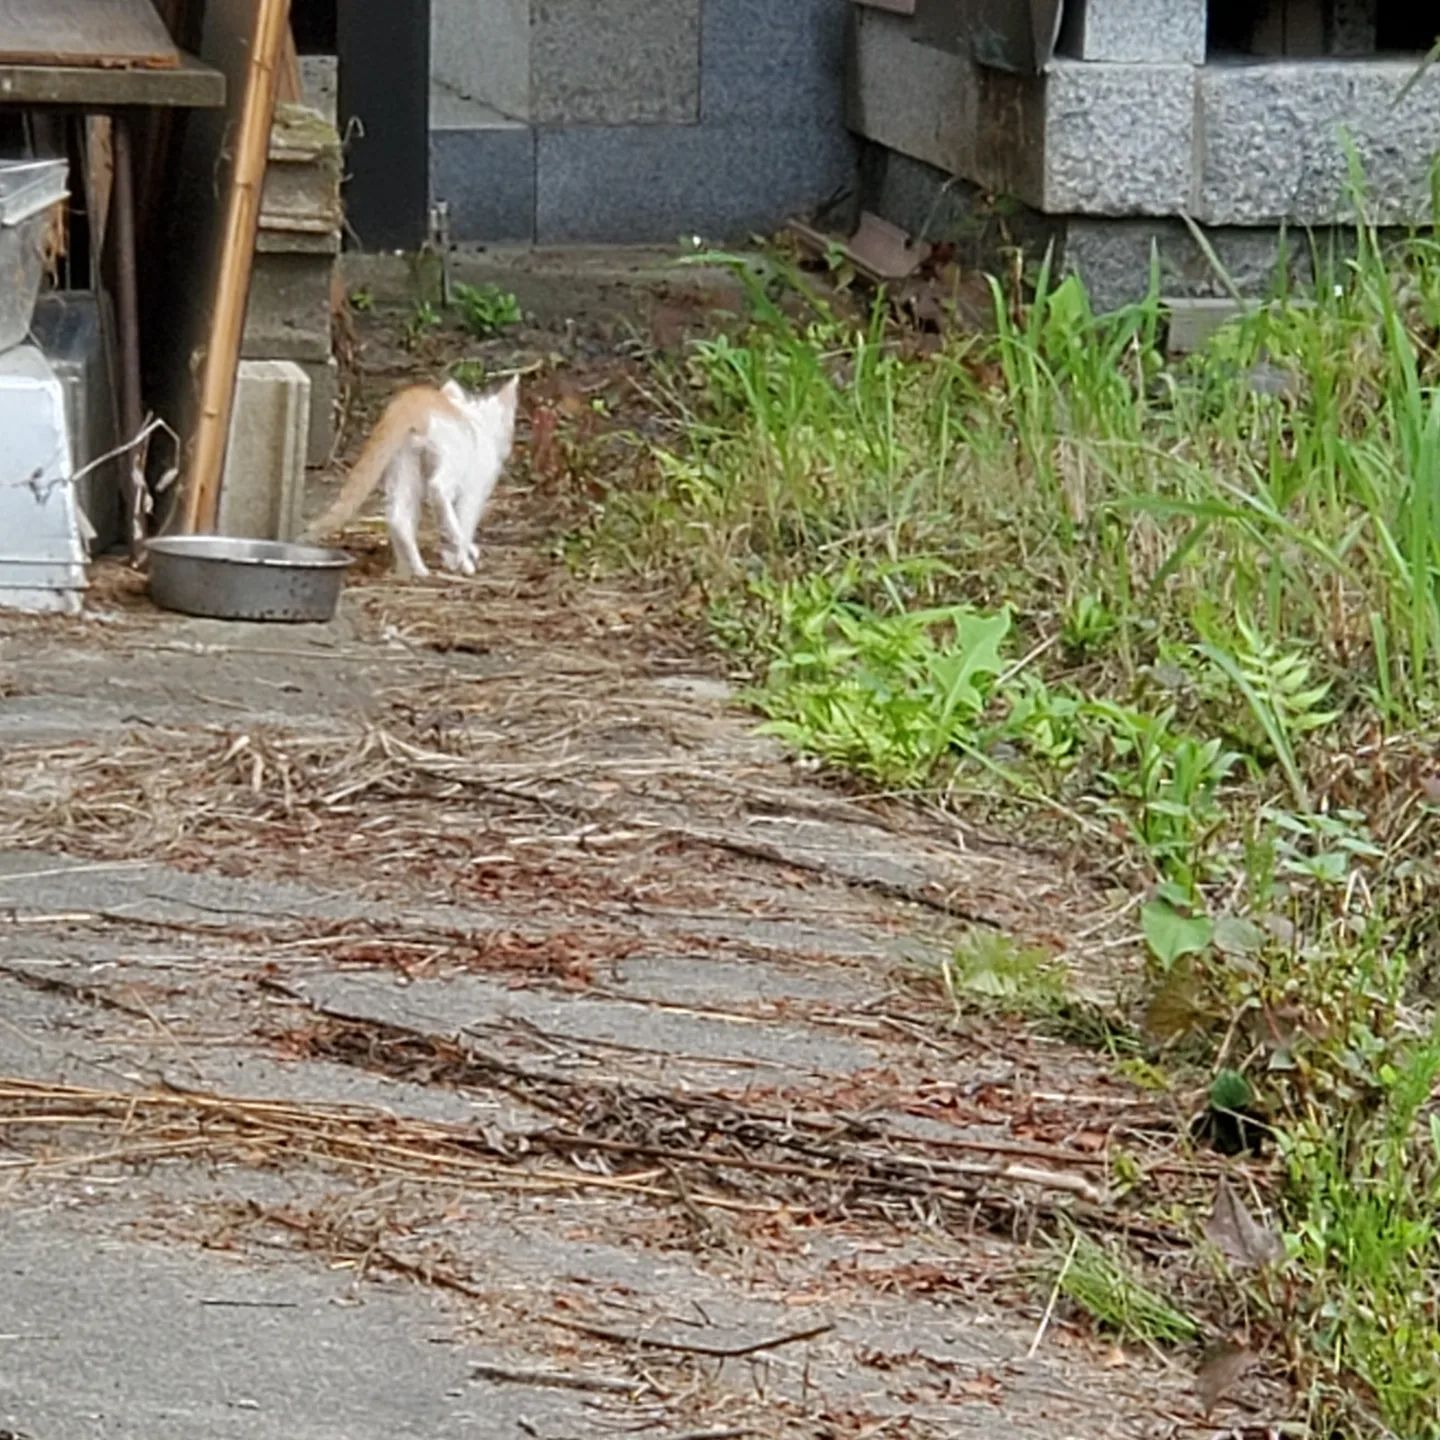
(42, 553)
(29, 191)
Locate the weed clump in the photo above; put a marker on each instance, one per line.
(1190, 613)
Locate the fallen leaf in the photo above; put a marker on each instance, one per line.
(1175, 1007)
(1238, 1235)
(983, 1387)
(1220, 1373)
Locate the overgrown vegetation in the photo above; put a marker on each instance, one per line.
(482, 311)
(1189, 613)
(486, 310)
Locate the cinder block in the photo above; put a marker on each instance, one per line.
(769, 62)
(1274, 148)
(1089, 138)
(262, 494)
(1119, 139)
(615, 62)
(1193, 320)
(637, 184)
(1113, 259)
(1131, 32)
(911, 98)
(488, 178)
(289, 311)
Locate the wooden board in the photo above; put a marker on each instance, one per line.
(188, 85)
(111, 34)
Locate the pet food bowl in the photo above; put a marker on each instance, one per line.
(229, 579)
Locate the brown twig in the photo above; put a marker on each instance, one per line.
(558, 1379)
(688, 1347)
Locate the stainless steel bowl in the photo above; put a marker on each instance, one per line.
(229, 579)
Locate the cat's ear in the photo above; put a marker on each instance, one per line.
(509, 393)
(453, 390)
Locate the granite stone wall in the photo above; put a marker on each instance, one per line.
(615, 121)
(1146, 115)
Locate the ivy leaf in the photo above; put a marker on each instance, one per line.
(1170, 934)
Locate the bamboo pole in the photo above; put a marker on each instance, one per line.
(237, 253)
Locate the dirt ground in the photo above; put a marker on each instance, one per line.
(456, 1021)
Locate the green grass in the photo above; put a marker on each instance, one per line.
(1188, 614)
(1106, 1286)
(1367, 1239)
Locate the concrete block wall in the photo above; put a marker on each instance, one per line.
(288, 316)
(1138, 119)
(618, 121)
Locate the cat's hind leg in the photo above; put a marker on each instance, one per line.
(458, 552)
(404, 497)
(471, 504)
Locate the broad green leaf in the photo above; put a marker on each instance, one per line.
(1171, 935)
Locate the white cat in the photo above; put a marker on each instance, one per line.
(441, 445)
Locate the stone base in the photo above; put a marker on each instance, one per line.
(1111, 256)
(1129, 125)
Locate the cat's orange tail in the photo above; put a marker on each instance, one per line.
(408, 414)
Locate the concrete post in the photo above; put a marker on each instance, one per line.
(263, 491)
